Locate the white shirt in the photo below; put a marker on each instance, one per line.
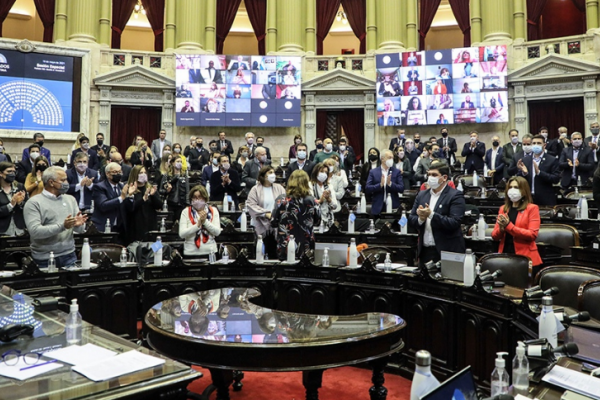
(428, 240)
(494, 154)
(268, 199)
(575, 156)
(537, 161)
(595, 140)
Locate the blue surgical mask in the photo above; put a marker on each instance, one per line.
(537, 148)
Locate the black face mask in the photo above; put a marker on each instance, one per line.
(40, 143)
(199, 145)
(320, 146)
(10, 178)
(41, 167)
(372, 157)
(100, 142)
(444, 134)
(495, 143)
(116, 178)
(417, 140)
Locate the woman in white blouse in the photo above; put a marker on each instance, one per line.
(322, 190)
(338, 180)
(199, 225)
(260, 203)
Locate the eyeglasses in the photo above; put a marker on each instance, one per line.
(11, 357)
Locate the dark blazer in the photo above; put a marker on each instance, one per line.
(307, 167)
(17, 211)
(105, 148)
(44, 152)
(217, 190)
(108, 206)
(587, 142)
(268, 152)
(499, 174)
(23, 168)
(512, 169)
(250, 173)
(93, 160)
(136, 159)
(379, 194)
(555, 147)
(74, 180)
(349, 160)
(446, 220)
(451, 146)
(206, 174)
(584, 170)
(228, 150)
(474, 158)
(126, 169)
(195, 76)
(198, 158)
(413, 155)
(507, 157)
(395, 142)
(218, 78)
(548, 176)
(312, 154)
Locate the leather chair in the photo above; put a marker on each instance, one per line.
(547, 211)
(567, 278)
(589, 298)
(468, 179)
(231, 249)
(472, 191)
(397, 255)
(559, 235)
(516, 269)
(112, 250)
(587, 193)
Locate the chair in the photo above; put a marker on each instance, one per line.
(589, 298)
(112, 250)
(468, 180)
(559, 235)
(472, 191)
(578, 195)
(231, 249)
(395, 254)
(567, 279)
(547, 211)
(516, 269)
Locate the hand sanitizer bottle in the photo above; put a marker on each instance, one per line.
(520, 371)
(107, 226)
(500, 376)
(475, 183)
(225, 255)
(469, 269)
(579, 180)
(291, 250)
(387, 264)
(158, 255)
(51, 263)
(357, 190)
(547, 324)
(73, 326)
(351, 219)
(371, 227)
(244, 221)
(163, 227)
(423, 380)
(123, 257)
(388, 204)
(260, 258)
(325, 262)
(165, 207)
(353, 254)
(86, 254)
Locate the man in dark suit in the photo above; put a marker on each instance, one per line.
(100, 148)
(541, 171)
(419, 145)
(318, 149)
(224, 146)
(437, 215)
(526, 151)
(38, 139)
(448, 146)
(260, 142)
(195, 73)
(25, 166)
(224, 181)
(301, 162)
(199, 156)
(509, 150)
(593, 141)
(94, 161)
(251, 144)
(81, 181)
(234, 65)
(576, 161)
(474, 152)
(212, 74)
(389, 87)
(411, 151)
(467, 103)
(383, 181)
(398, 141)
(108, 197)
(556, 146)
(495, 161)
(347, 155)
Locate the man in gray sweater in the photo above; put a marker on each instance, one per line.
(51, 218)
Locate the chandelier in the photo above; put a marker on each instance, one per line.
(138, 9)
(341, 16)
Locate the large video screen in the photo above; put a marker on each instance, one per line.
(218, 90)
(36, 91)
(443, 87)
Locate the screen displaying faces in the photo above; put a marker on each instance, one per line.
(219, 90)
(453, 86)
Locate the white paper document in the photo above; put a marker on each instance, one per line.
(79, 355)
(574, 381)
(121, 364)
(14, 371)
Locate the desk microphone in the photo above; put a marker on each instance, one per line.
(581, 316)
(538, 294)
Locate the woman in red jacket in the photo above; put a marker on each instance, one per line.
(518, 221)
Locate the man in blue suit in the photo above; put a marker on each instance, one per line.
(81, 181)
(38, 139)
(382, 181)
(495, 161)
(437, 215)
(108, 197)
(542, 172)
(474, 151)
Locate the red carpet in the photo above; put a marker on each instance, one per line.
(346, 383)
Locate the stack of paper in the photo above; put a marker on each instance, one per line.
(574, 381)
(14, 371)
(122, 364)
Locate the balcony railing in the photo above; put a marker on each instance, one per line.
(115, 59)
(578, 46)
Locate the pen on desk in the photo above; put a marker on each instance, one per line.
(38, 365)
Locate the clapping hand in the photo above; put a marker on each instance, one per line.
(570, 162)
(153, 190)
(80, 219)
(131, 190)
(536, 167)
(226, 179)
(18, 198)
(577, 162)
(521, 166)
(202, 217)
(124, 191)
(424, 212)
(502, 221)
(147, 193)
(389, 180)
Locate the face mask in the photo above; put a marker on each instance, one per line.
(177, 150)
(40, 143)
(34, 155)
(514, 194)
(595, 131)
(537, 149)
(389, 162)
(116, 178)
(433, 182)
(563, 135)
(302, 154)
(328, 146)
(297, 141)
(200, 145)
(262, 159)
(417, 140)
(85, 146)
(250, 141)
(473, 139)
(144, 148)
(225, 166)
(331, 168)
(271, 178)
(41, 167)
(244, 154)
(100, 142)
(527, 148)
(495, 143)
(142, 178)
(322, 177)
(10, 178)
(372, 157)
(81, 167)
(177, 165)
(514, 139)
(402, 136)
(401, 154)
(198, 204)
(166, 151)
(544, 134)
(319, 146)
(215, 161)
(64, 188)
(1, 148)
(577, 142)
(342, 148)
(444, 134)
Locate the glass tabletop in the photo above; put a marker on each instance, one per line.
(228, 317)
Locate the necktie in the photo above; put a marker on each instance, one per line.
(117, 190)
(575, 155)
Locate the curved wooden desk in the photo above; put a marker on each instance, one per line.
(222, 330)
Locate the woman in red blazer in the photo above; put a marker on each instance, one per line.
(518, 221)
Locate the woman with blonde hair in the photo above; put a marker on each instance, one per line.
(133, 147)
(142, 156)
(323, 190)
(173, 186)
(243, 156)
(338, 178)
(141, 206)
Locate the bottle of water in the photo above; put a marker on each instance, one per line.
(86, 254)
(353, 254)
(388, 204)
(163, 227)
(387, 264)
(325, 262)
(212, 258)
(579, 180)
(281, 162)
(423, 380)
(584, 208)
(92, 207)
(123, 257)
(208, 188)
(481, 228)
(51, 263)
(363, 204)
(357, 190)
(158, 255)
(225, 255)
(475, 177)
(483, 194)
(260, 257)
(73, 326)
(576, 190)
(244, 221)
(371, 227)
(547, 325)
(165, 207)
(469, 269)
(404, 229)
(578, 213)
(485, 170)
(460, 186)
(291, 250)
(351, 219)
(225, 203)
(107, 226)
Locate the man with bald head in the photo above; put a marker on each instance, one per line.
(252, 167)
(108, 197)
(117, 158)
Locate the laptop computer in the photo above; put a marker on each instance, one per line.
(338, 253)
(453, 265)
(460, 386)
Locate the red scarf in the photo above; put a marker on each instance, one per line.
(202, 234)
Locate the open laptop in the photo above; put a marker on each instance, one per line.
(460, 386)
(453, 265)
(338, 253)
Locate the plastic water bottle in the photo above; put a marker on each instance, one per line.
(68, 159)
(165, 207)
(225, 255)
(291, 250)
(363, 204)
(579, 180)
(460, 187)
(404, 229)
(578, 213)
(158, 255)
(584, 208)
(73, 327)
(325, 262)
(351, 219)
(353, 254)
(475, 183)
(92, 207)
(225, 203)
(423, 380)
(387, 264)
(520, 370)
(481, 228)
(483, 193)
(208, 188)
(244, 221)
(123, 257)
(163, 227)
(500, 376)
(281, 162)
(469, 269)
(371, 227)
(485, 170)
(357, 190)
(212, 258)
(547, 325)
(86, 254)
(107, 226)
(260, 257)
(51, 263)
(388, 204)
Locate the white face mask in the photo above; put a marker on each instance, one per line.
(389, 162)
(514, 139)
(322, 177)
(250, 140)
(331, 168)
(342, 148)
(271, 178)
(302, 154)
(328, 146)
(433, 182)
(514, 194)
(34, 155)
(544, 134)
(527, 148)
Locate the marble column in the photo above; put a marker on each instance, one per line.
(105, 15)
(412, 33)
(496, 21)
(591, 14)
(167, 112)
(311, 26)
(210, 31)
(590, 102)
(60, 25)
(475, 21)
(370, 118)
(520, 25)
(83, 22)
(289, 26)
(310, 117)
(188, 34)
(371, 26)
(170, 25)
(520, 107)
(389, 31)
(271, 38)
